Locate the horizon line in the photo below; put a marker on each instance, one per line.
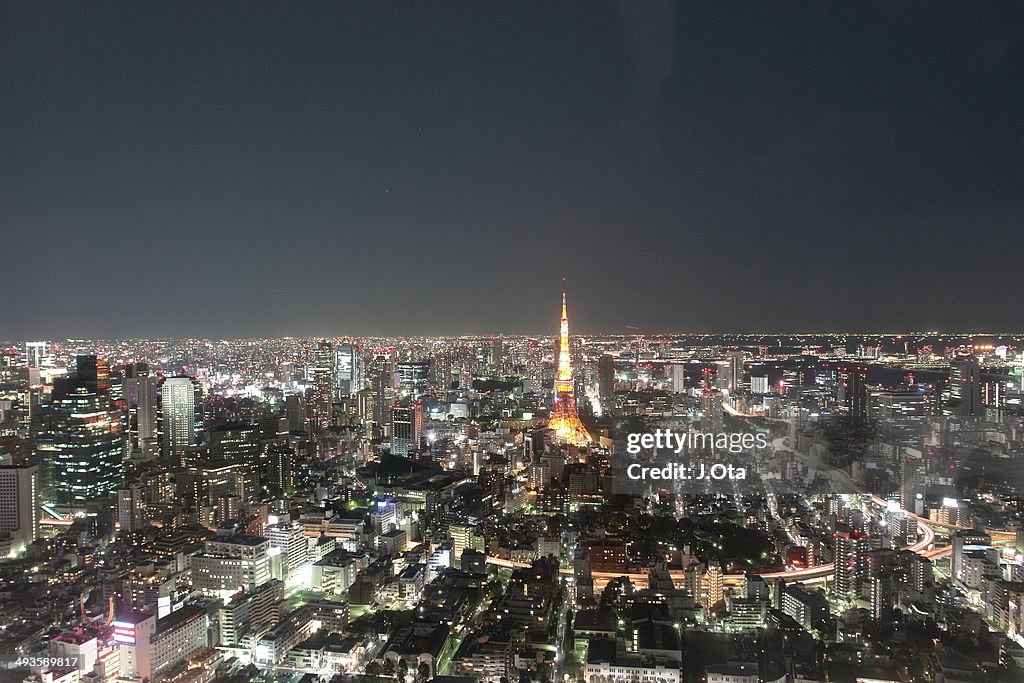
(491, 335)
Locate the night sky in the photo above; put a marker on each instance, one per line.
(243, 169)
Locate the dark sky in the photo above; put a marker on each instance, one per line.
(238, 169)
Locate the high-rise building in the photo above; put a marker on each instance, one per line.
(82, 442)
(497, 354)
(712, 584)
(606, 375)
(181, 418)
(852, 393)
(406, 428)
(901, 417)
(19, 505)
(677, 378)
(235, 443)
(93, 373)
(281, 467)
(320, 372)
(346, 370)
(380, 388)
(150, 648)
(289, 543)
(565, 421)
(441, 370)
(295, 412)
(735, 370)
(913, 484)
(965, 386)
(36, 354)
(139, 393)
(712, 418)
(131, 507)
(323, 356)
(412, 377)
(850, 555)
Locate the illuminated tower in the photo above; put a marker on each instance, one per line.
(565, 421)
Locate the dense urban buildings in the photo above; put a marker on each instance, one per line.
(464, 508)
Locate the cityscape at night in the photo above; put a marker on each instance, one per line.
(511, 342)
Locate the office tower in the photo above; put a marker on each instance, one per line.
(412, 377)
(281, 468)
(852, 393)
(220, 478)
(735, 370)
(993, 392)
(320, 373)
(383, 516)
(380, 387)
(756, 588)
(323, 359)
(760, 385)
(606, 376)
(677, 378)
(913, 485)
(565, 422)
(406, 428)
(901, 418)
(809, 608)
(237, 444)
(441, 370)
(965, 386)
(36, 354)
(346, 372)
(82, 442)
(497, 354)
(181, 418)
(321, 402)
(295, 412)
(131, 506)
(711, 417)
(20, 492)
(93, 373)
(462, 367)
(976, 563)
(139, 393)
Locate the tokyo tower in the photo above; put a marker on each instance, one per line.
(564, 420)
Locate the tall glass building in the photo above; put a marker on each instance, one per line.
(181, 418)
(83, 447)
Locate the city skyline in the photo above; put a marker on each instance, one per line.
(290, 509)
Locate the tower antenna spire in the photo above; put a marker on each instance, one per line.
(564, 308)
